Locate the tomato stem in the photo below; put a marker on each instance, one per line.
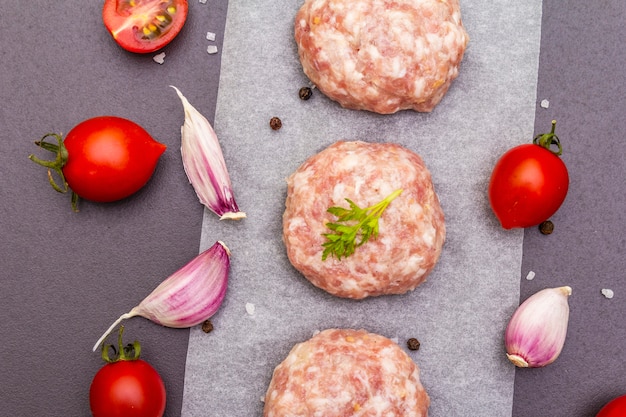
(546, 140)
(55, 165)
(130, 352)
(74, 202)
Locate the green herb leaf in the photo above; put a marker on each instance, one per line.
(351, 224)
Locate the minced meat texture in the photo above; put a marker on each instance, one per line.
(381, 55)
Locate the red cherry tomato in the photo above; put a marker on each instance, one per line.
(614, 408)
(126, 386)
(103, 159)
(529, 183)
(144, 26)
(109, 158)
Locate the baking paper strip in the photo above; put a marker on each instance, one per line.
(460, 313)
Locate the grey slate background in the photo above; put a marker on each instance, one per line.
(58, 66)
(582, 72)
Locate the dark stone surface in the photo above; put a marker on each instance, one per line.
(66, 276)
(582, 72)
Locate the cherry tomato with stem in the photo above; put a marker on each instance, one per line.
(529, 182)
(614, 408)
(144, 26)
(102, 159)
(126, 386)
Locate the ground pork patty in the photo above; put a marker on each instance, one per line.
(411, 230)
(346, 373)
(381, 55)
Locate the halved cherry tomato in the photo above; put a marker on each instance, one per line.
(614, 408)
(144, 26)
(529, 183)
(102, 159)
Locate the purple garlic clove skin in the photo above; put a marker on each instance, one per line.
(536, 332)
(192, 294)
(189, 296)
(204, 164)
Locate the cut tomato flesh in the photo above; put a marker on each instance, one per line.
(144, 25)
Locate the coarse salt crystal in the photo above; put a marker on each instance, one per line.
(212, 49)
(607, 293)
(530, 276)
(203, 1)
(545, 103)
(210, 36)
(250, 308)
(159, 58)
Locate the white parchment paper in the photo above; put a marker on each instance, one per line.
(460, 313)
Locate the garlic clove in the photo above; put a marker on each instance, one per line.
(536, 332)
(189, 296)
(204, 164)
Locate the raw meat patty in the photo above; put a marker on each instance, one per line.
(411, 230)
(346, 373)
(381, 55)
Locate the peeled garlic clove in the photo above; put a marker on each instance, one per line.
(189, 296)
(536, 332)
(204, 164)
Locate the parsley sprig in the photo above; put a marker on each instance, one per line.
(351, 224)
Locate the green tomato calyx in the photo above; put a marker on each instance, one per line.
(55, 165)
(129, 352)
(546, 140)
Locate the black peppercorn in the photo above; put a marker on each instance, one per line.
(305, 93)
(413, 344)
(207, 326)
(546, 227)
(275, 123)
